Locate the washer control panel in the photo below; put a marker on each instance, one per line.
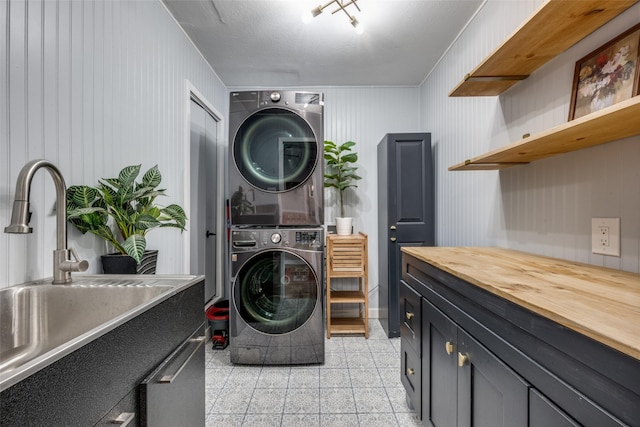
(251, 239)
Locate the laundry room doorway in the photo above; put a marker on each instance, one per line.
(206, 234)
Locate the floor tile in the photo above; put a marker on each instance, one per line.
(337, 400)
(267, 401)
(365, 377)
(334, 360)
(339, 420)
(273, 377)
(334, 378)
(232, 401)
(386, 419)
(262, 420)
(300, 420)
(226, 420)
(304, 378)
(302, 401)
(371, 400)
(360, 360)
(386, 360)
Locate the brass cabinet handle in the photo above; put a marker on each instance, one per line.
(410, 371)
(393, 239)
(409, 315)
(463, 359)
(393, 227)
(450, 347)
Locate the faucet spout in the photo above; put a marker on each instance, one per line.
(21, 216)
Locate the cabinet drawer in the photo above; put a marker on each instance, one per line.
(411, 376)
(410, 317)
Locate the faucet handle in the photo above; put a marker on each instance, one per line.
(77, 265)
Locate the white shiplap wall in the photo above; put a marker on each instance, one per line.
(545, 207)
(92, 86)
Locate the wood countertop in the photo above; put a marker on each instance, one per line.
(601, 303)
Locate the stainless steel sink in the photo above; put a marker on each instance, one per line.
(40, 322)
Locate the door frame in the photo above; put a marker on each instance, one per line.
(191, 92)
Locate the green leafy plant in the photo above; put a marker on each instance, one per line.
(129, 204)
(341, 170)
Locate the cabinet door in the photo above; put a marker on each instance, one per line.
(439, 369)
(543, 413)
(410, 319)
(490, 394)
(411, 376)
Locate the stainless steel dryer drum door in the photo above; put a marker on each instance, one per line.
(276, 156)
(275, 150)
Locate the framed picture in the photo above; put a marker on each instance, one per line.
(607, 75)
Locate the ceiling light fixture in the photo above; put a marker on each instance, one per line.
(342, 6)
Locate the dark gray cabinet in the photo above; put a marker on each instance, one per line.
(485, 361)
(465, 384)
(405, 213)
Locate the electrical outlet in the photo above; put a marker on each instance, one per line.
(605, 236)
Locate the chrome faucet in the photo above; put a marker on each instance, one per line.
(20, 217)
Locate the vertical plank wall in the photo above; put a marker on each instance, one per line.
(545, 207)
(91, 86)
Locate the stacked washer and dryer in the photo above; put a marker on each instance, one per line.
(276, 174)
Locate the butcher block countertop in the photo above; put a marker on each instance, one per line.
(601, 303)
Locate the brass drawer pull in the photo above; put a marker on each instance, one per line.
(410, 371)
(450, 347)
(409, 315)
(393, 239)
(463, 359)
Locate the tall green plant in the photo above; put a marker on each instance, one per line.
(130, 206)
(340, 168)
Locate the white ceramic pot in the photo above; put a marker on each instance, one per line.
(344, 225)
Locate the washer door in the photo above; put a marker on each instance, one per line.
(275, 150)
(276, 292)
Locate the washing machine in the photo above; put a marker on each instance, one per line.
(276, 315)
(276, 158)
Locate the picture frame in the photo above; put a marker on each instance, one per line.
(606, 76)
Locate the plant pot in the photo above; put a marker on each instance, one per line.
(344, 225)
(117, 263)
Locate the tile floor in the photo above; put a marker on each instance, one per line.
(358, 385)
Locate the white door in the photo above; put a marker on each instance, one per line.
(203, 216)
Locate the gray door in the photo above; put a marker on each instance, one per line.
(405, 213)
(203, 216)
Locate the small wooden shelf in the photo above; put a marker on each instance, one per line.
(347, 256)
(553, 28)
(619, 121)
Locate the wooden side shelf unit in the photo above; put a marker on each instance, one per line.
(347, 256)
(553, 28)
(619, 121)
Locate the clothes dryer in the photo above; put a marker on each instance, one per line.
(276, 154)
(276, 315)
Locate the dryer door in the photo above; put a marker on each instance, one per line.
(275, 150)
(276, 291)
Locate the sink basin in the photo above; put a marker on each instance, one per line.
(40, 322)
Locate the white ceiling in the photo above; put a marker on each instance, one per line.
(264, 43)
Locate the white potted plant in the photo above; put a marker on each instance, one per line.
(340, 174)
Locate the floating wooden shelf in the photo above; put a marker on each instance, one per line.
(347, 256)
(554, 27)
(619, 121)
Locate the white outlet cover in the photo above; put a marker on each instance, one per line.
(614, 236)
